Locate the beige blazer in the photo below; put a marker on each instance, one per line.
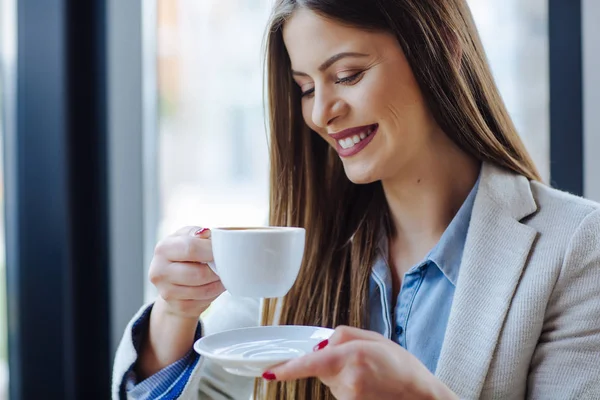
(525, 320)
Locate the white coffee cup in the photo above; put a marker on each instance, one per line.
(257, 262)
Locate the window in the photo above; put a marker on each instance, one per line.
(515, 37)
(212, 146)
(211, 141)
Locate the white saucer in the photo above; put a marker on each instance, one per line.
(252, 351)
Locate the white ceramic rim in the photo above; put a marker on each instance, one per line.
(261, 229)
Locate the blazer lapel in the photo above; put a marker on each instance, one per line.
(496, 251)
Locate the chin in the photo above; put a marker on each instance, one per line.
(360, 176)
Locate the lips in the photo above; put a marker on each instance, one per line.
(351, 141)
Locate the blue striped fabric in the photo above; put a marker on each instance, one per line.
(166, 384)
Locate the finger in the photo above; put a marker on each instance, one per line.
(191, 230)
(190, 274)
(344, 334)
(178, 292)
(184, 249)
(202, 233)
(322, 364)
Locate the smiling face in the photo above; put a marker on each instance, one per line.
(360, 95)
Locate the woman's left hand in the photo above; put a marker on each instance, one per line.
(359, 364)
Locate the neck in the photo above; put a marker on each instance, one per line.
(425, 197)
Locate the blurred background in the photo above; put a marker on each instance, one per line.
(122, 121)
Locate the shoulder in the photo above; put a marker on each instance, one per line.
(562, 202)
(562, 213)
(568, 226)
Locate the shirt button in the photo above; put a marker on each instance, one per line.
(399, 330)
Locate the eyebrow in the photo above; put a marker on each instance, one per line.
(332, 60)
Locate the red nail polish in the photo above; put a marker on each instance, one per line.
(269, 376)
(321, 345)
(200, 231)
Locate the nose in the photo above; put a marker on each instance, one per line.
(327, 108)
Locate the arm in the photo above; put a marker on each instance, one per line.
(186, 287)
(166, 381)
(197, 378)
(566, 362)
(169, 339)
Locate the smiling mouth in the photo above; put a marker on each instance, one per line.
(351, 141)
(355, 139)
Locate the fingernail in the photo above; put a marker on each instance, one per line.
(321, 345)
(268, 375)
(200, 231)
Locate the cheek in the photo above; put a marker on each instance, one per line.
(391, 93)
(409, 109)
(370, 102)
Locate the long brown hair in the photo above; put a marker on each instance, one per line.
(308, 185)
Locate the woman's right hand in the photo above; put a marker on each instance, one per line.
(185, 283)
(186, 287)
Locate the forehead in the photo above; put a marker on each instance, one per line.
(310, 38)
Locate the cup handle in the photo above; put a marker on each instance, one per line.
(211, 265)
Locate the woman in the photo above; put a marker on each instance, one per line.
(449, 269)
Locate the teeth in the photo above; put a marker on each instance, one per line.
(351, 141)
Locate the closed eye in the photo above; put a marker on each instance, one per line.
(349, 80)
(308, 92)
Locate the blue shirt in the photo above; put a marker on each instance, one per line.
(416, 319)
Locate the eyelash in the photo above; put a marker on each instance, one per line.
(349, 80)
